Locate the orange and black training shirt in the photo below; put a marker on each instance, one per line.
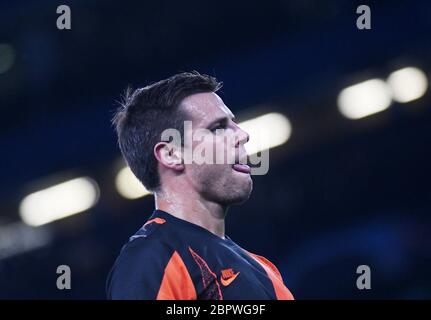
(172, 259)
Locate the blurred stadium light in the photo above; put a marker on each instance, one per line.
(266, 132)
(128, 185)
(374, 95)
(407, 84)
(17, 237)
(59, 201)
(364, 99)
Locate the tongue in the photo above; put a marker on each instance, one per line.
(241, 168)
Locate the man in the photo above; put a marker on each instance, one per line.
(182, 251)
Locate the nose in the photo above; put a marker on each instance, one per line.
(242, 137)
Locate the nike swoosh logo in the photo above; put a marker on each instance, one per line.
(228, 281)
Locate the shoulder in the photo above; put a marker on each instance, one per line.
(149, 263)
(152, 229)
(264, 262)
(138, 269)
(268, 264)
(153, 243)
(142, 249)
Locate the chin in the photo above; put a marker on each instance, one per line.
(226, 189)
(240, 201)
(240, 194)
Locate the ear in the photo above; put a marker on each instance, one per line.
(168, 156)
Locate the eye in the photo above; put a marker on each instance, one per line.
(218, 126)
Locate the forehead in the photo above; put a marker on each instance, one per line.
(205, 107)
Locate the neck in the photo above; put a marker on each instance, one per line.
(208, 215)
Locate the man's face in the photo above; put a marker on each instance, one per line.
(223, 181)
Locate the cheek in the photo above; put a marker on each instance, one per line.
(208, 173)
(226, 146)
(213, 148)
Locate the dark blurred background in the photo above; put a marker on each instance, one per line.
(339, 193)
